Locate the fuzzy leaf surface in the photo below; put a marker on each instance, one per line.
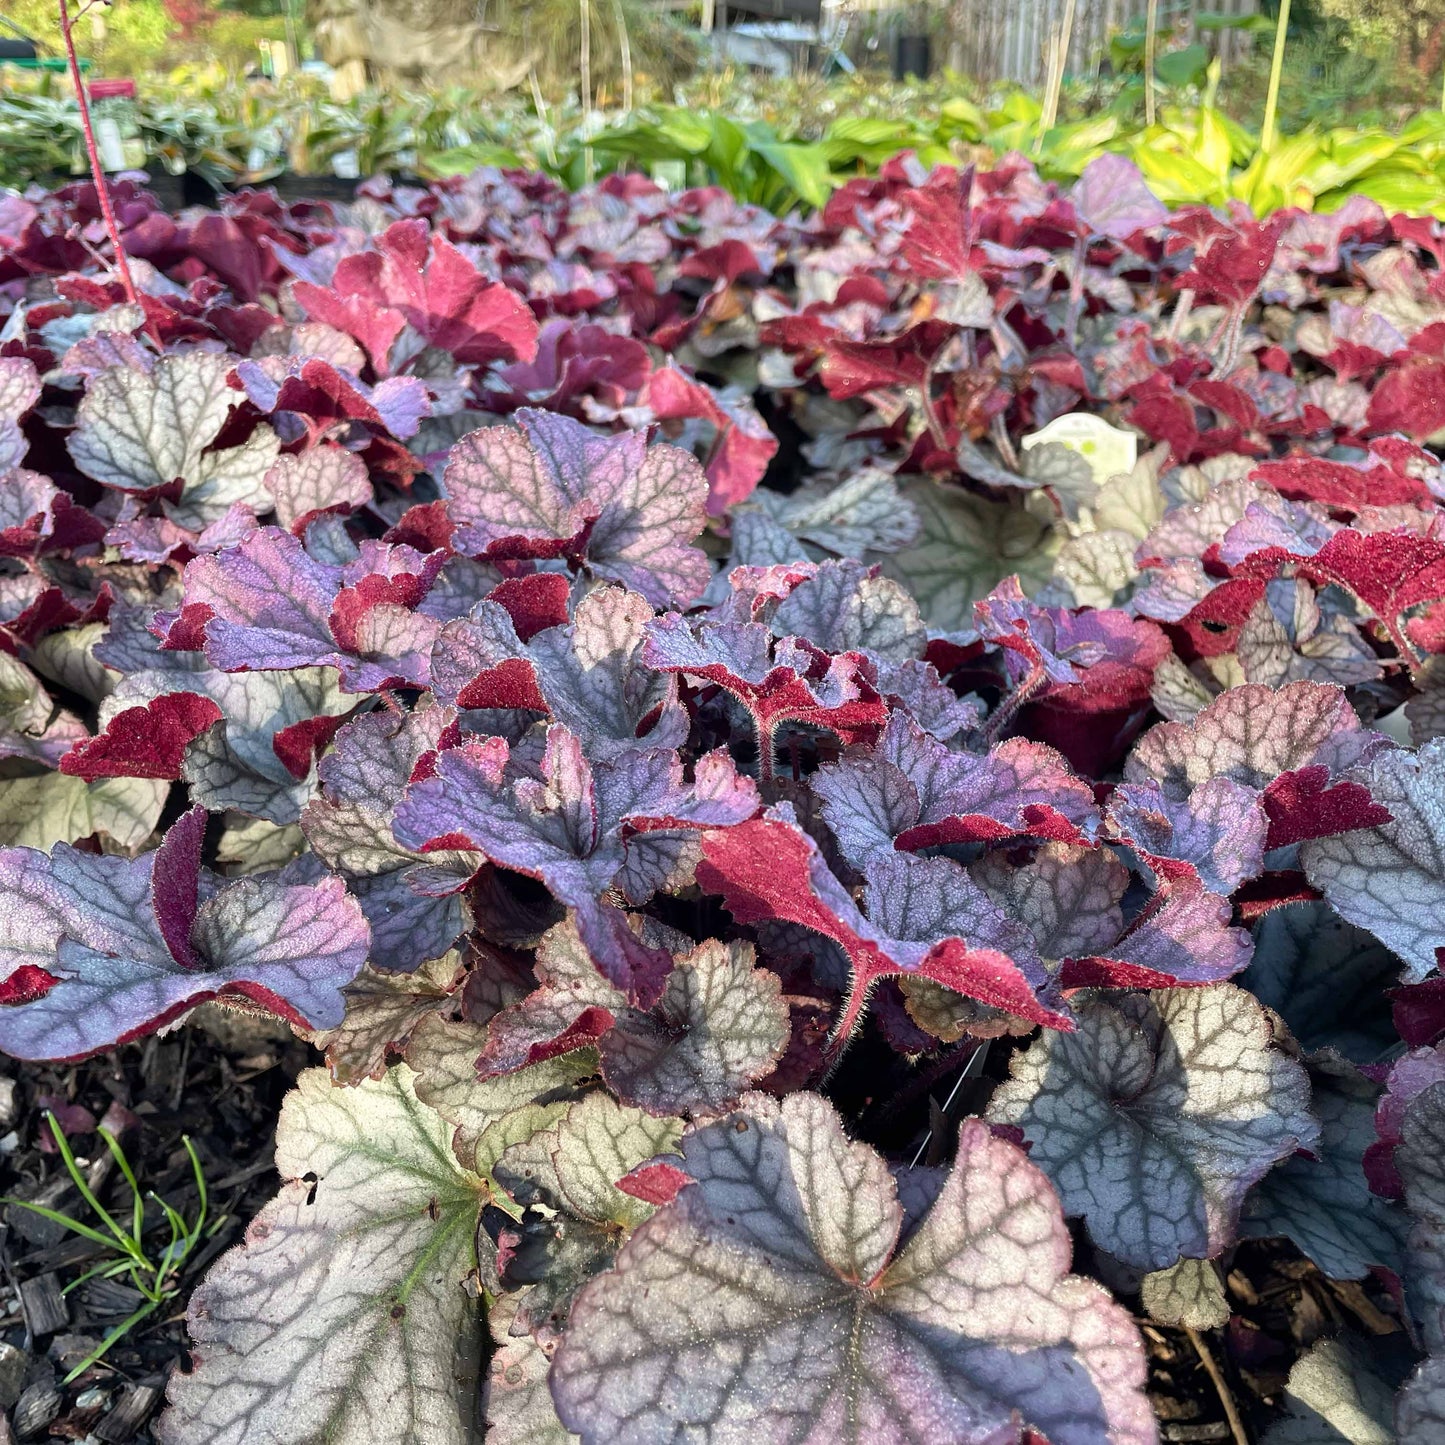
(1157, 1115)
(814, 1325)
(343, 1317)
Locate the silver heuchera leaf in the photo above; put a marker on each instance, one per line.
(1335, 1398)
(444, 1052)
(1326, 979)
(382, 1013)
(32, 726)
(966, 546)
(564, 1173)
(1321, 1200)
(235, 763)
(772, 1301)
(343, 1317)
(588, 672)
(1391, 879)
(577, 1163)
(1187, 1293)
(863, 513)
(306, 484)
(1156, 1116)
(1420, 1156)
(515, 1396)
(139, 431)
(1420, 1406)
(1289, 636)
(1252, 734)
(719, 1026)
(593, 679)
(54, 808)
(847, 607)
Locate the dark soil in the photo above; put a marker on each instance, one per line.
(221, 1080)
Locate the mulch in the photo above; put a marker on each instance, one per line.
(220, 1081)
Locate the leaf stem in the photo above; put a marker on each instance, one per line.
(120, 261)
(1011, 705)
(1276, 67)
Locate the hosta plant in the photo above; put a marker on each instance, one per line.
(618, 674)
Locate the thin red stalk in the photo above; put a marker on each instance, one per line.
(120, 262)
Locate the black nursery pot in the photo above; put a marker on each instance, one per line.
(912, 56)
(290, 187)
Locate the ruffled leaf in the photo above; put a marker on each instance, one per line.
(549, 487)
(143, 431)
(130, 945)
(1157, 1115)
(815, 1323)
(1390, 879)
(374, 1226)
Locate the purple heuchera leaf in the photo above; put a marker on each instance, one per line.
(581, 827)
(913, 792)
(1409, 1076)
(550, 487)
(1276, 524)
(317, 393)
(411, 900)
(769, 869)
(794, 1233)
(19, 391)
(1288, 746)
(587, 674)
(1069, 897)
(1101, 658)
(36, 517)
(268, 604)
(1216, 835)
(718, 1026)
(130, 945)
(1044, 637)
(792, 681)
(1112, 198)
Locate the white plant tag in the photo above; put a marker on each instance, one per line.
(1109, 450)
(109, 143)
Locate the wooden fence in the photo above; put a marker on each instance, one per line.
(1010, 40)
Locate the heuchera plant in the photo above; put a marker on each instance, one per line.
(606, 669)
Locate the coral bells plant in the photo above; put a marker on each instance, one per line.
(619, 674)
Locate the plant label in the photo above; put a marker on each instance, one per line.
(1109, 449)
